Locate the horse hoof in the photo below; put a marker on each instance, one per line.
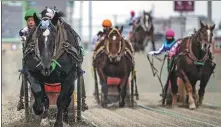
(192, 106)
(37, 111)
(104, 105)
(84, 107)
(199, 104)
(20, 106)
(65, 118)
(58, 124)
(45, 122)
(44, 114)
(121, 104)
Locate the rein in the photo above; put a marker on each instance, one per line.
(61, 44)
(154, 70)
(121, 50)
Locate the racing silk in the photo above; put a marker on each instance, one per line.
(95, 39)
(132, 20)
(165, 47)
(173, 50)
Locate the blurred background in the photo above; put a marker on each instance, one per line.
(86, 18)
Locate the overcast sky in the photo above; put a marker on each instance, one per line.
(106, 9)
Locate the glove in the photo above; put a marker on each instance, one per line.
(23, 38)
(23, 32)
(151, 53)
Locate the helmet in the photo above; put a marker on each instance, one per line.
(106, 23)
(30, 13)
(132, 13)
(170, 33)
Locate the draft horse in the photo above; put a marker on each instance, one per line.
(193, 62)
(143, 32)
(116, 59)
(52, 54)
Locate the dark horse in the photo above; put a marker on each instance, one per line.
(193, 62)
(52, 54)
(115, 60)
(143, 32)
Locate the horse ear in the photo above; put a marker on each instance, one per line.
(121, 29)
(213, 26)
(54, 20)
(36, 19)
(201, 24)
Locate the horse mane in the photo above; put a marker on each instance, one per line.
(60, 14)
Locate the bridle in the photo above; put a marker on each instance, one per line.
(120, 52)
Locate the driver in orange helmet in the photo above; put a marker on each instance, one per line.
(107, 27)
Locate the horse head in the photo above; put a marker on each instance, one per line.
(204, 36)
(45, 14)
(114, 44)
(46, 35)
(146, 21)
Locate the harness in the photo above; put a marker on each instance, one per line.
(189, 53)
(125, 49)
(61, 45)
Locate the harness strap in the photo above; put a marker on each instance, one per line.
(190, 52)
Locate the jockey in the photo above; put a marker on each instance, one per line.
(107, 26)
(23, 33)
(30, 24)
(102, 35)
(132, 18)
(96, 39)
(168, 43)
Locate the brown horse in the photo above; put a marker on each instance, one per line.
(192, 63)
(143, 32)
(115, 60)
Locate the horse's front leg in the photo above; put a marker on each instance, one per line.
(38, 106)
(190, 94)
(65, 118)
(201, 92)
(63, 101)
(123, 91)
